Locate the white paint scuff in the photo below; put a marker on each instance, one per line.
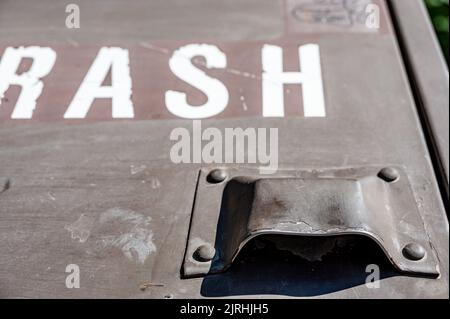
(81, 229)
(116, 228)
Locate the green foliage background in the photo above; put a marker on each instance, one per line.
(438, 10)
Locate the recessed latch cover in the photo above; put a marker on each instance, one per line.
(235, 205)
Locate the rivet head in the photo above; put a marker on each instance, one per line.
(414, 251)
(204, 253)
(389, 174)
(216, 176)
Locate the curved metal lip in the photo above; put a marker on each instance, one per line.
(334, 233)
(367, 234)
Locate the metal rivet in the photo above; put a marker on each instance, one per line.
(413, 251)
(204, 253)
(389, 174)
(216, 176)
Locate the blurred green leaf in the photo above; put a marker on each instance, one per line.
(438, 10)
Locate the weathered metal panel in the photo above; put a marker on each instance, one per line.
(429, 78)
(105, 195)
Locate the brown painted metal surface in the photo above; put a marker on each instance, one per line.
(103, 193)
(430, 80)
